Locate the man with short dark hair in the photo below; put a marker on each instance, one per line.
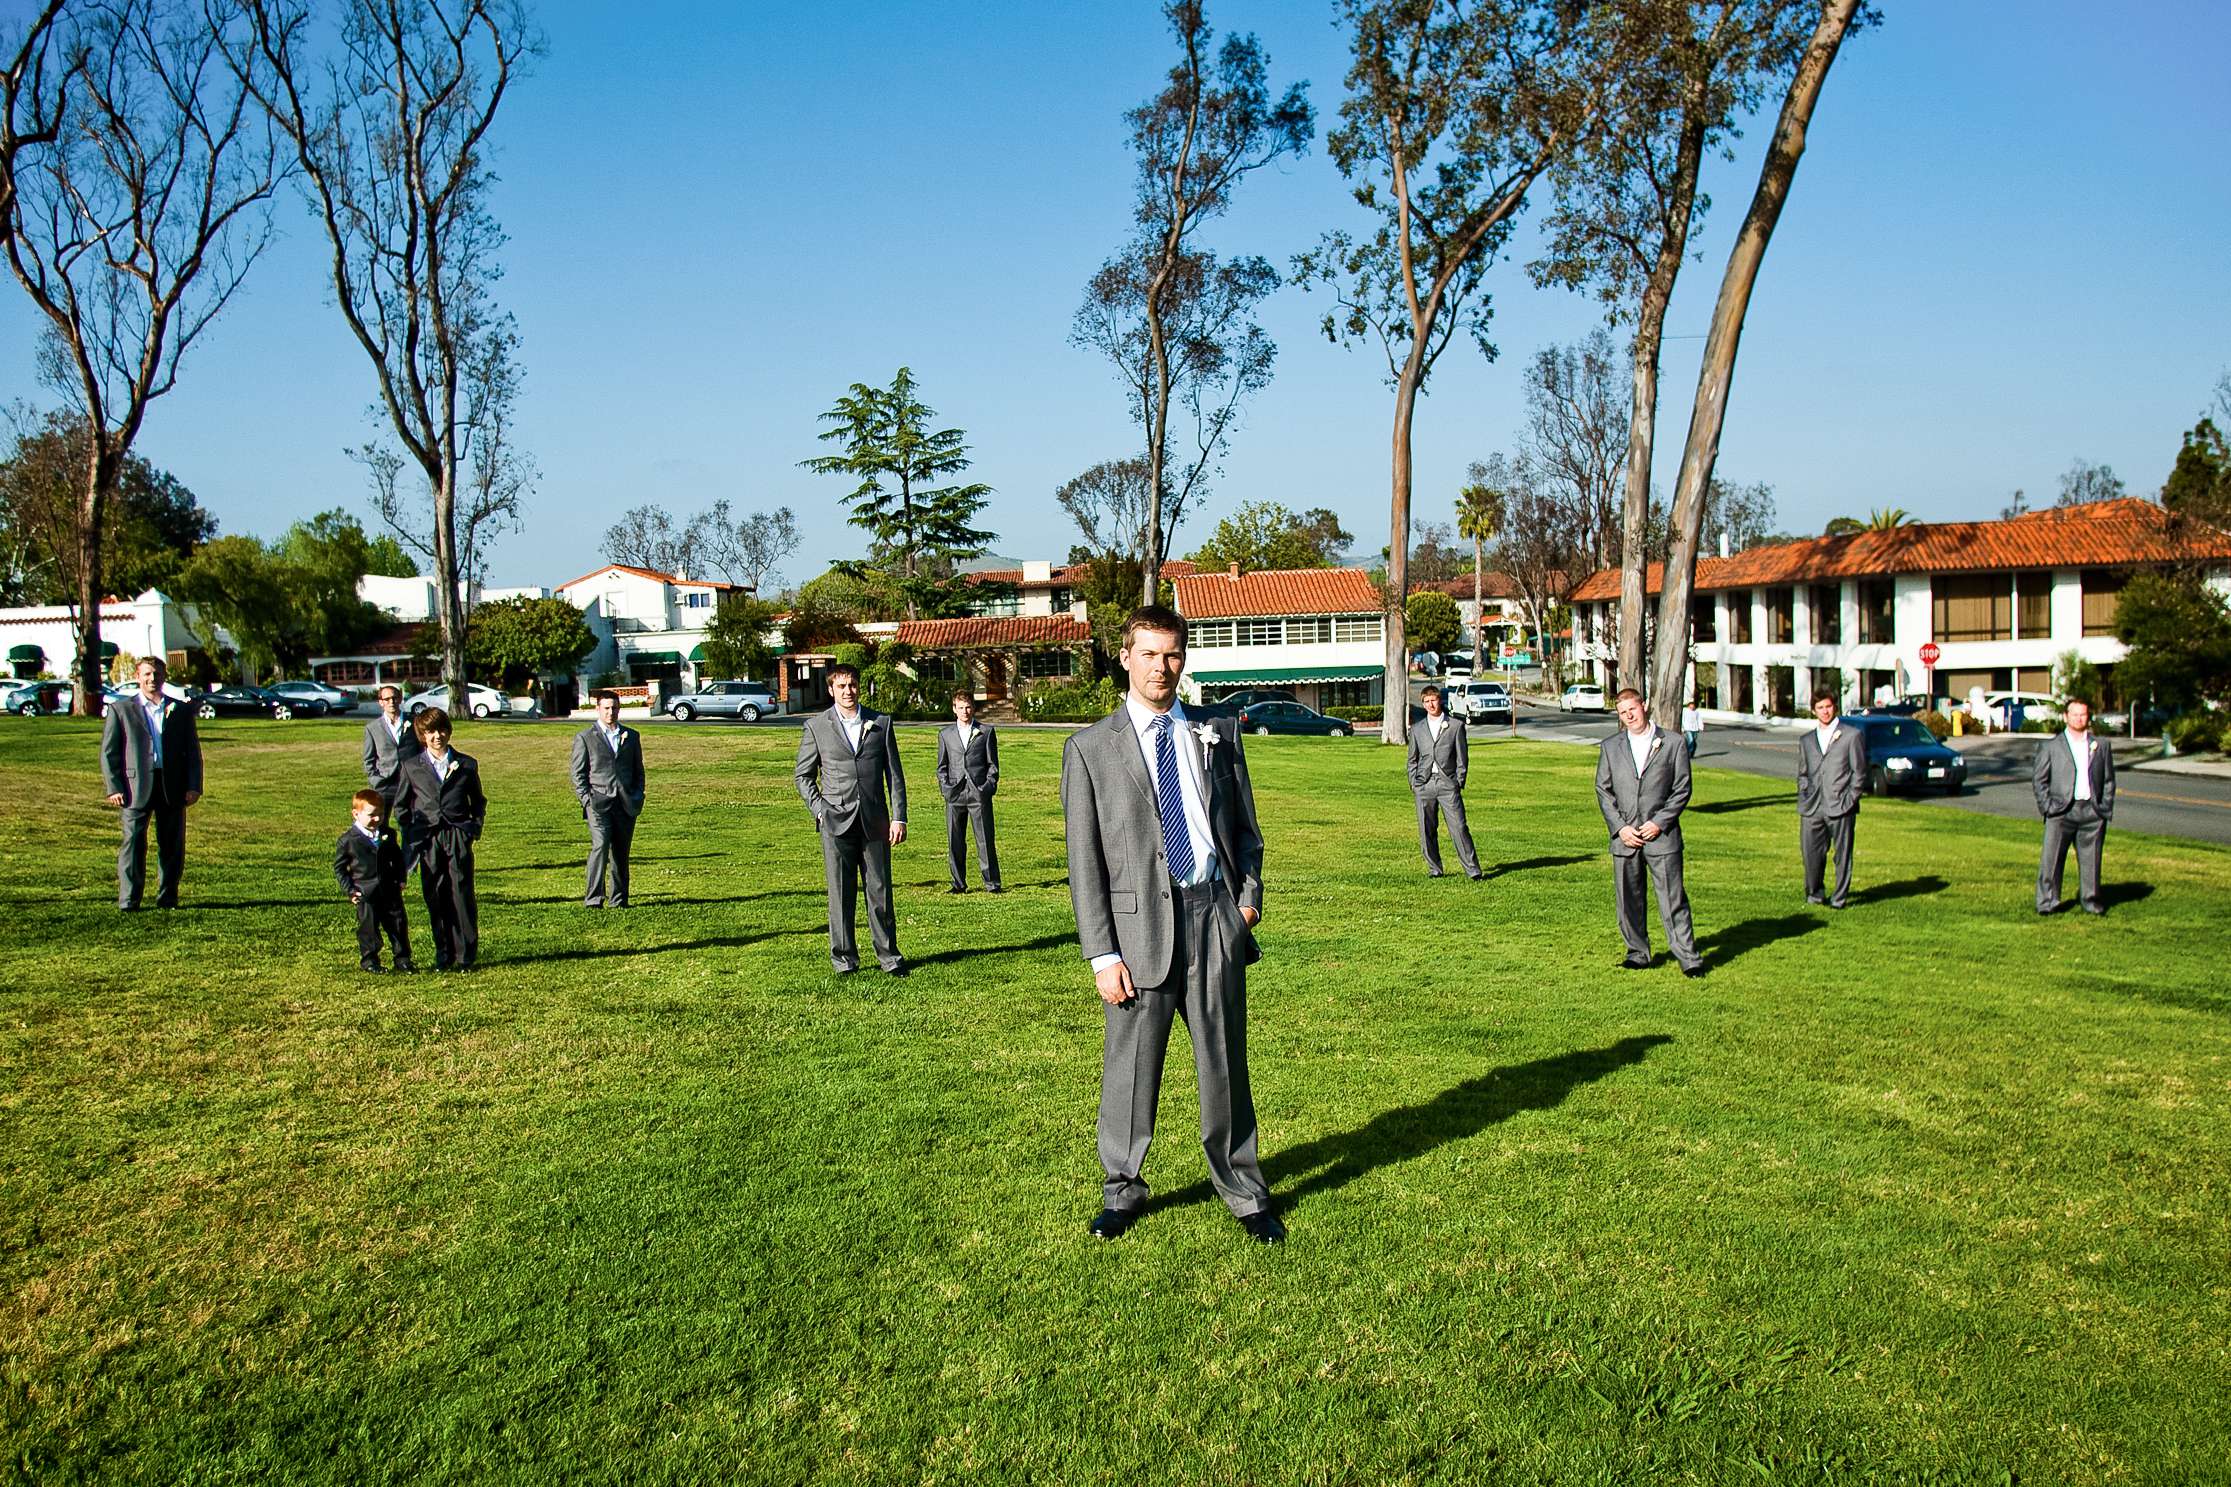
(2074, 782)
(440, 798)
(849, 776)
(1831, 772)
(1642, 786)
(151, 764)
(1165, 876)
(967, 776)
(608, 781)
(1440, 757)
(389, 739)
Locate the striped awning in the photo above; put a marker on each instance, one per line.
(654, 658)
(1271, 675)
(25, 653)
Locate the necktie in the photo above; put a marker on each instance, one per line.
(1169, 804)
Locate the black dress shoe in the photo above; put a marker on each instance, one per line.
(901, 971)
(1631, 964)
(407, 968)
(993, 888)
(1812, 900)
(842, 970)
(1436, 875)
(1477, 877)
(1112, 1222)
(2102, 913)
(1695, 972)
(956, 888)
(1264, 1227)
(373, 968)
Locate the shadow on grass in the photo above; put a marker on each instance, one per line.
(1903, 888)
(1747, 803)
(1724, 945)
(642, 902)
(1410, 1131)
(1531, 863)
(2112, 894)
(971, 952)
(606, 952)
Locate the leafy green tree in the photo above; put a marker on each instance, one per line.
(523, 637)
(1479, 520)
(1843, 526)
(288, 601)
(387, 558)
(2082, 484)
(1265, 535)
(232, 583)
(1434, 621)
(918, 530)
(2178, 630)
(2199, 484)
(154, 522)
(736, 641)
(2073, 676)
(1110, 586)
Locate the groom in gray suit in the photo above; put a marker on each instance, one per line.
(608, 781)
(1440, 757)
(1642, 786)
(968, 775)
(151, 764)
(1166, 877)
(389, 741)
(1831, 771)
(2075, 786)
(846, 758)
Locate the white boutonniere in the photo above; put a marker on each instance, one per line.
(865, 725)
(1206, 734)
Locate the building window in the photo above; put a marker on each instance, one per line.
(1316, 630)
(1739, 616)
(1877, 612)
(697, 599)
(2103, 593)
(1209, 633)
(1046, 663)
(2033, 605)
(1704, 623)
(1350, 629)
(1261, 632)
(1826, 601)
(1781, 617)
(1350, 694)
(937, 668)
(1000, 607)
(1060, 599)
(1971, 607)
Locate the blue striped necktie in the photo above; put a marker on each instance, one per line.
(1169, 803)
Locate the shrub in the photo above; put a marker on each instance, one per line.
(1074, 702)
(1374, 713)
(2197, 733)
(1935, 722)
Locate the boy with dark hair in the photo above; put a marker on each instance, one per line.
(439, 797)
(368, 863)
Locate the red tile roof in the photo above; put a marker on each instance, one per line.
(650, 573)
(1216, 596)
(1493, 585)
(2103, 534)
(1067, 575)
(981, 633)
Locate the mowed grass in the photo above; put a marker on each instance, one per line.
(1931, 1190)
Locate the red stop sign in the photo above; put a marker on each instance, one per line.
(1929, 653)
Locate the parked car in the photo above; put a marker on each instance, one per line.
(2150, 720)
(1904, 707)
(1241, 701)
(335, 700)
(249, 702)
(481, 702)
(747, 700)
(33, 698)
(2036, 706)
(1904, 755)
(1478, 701)
(1291, 717)
(1457, 663)
(1581, 697)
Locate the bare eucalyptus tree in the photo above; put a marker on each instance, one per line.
(392, 134)
(131, 226)
(1110, 505)
(28, 107)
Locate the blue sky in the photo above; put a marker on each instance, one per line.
(2006, 249)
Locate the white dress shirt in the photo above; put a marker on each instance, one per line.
(852, 724)
(611, 736)
(1826, 736)
(394, 727)
(441, 764)
(967, 731)
(154, 713)
(2080, 748)
(1638, 745)
(1192, 789)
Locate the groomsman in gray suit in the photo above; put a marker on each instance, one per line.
(1440, 757)
(1166, 876)
(151, 764)
(1642, 786)
(608, 781)
(1831, 771)
(2075, 785)
(389, 740)
(967, 776)
(847, 758)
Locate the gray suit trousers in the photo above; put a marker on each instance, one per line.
(2080, 826)
(862, 850)
(958, 819)
(1208, 988)
(1441, 798)
(1664, 874)
(170, 852)
(611, 838)
(1815, 835)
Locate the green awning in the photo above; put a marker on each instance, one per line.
(1272, 675)
(654, 658)
(696, 654)
(25, 653)
(108, 650)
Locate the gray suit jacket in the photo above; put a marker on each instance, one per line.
(1660, 794)
(1119, 884)
(601, 775)
(128, 753)
(384, 756)
(1831, 786)
(967, 776)
(1453, 753)
(841, 787)
(2054, 778)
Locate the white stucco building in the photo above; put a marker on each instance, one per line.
(650, 626)
(43, 640)
(1318, 633)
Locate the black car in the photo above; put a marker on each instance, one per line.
(1904, 755)
(252, 702)
(1290, 717)
(1241, 701)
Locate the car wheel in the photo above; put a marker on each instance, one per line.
(748, 713)
(1878, 781)
(206, 710)
(683, 712)
(1261, 731)
(1339, 733)
(29, 709)
(480, 709)
(282, 712)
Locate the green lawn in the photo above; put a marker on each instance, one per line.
(1931, 1190)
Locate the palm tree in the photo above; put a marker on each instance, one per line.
(1843, 526)
(1479, 517)
(1887, 519)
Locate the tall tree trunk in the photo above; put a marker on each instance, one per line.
(1709, 414)
(1158, 428)
(100, 479)
(1395, 710)
(1479, 610)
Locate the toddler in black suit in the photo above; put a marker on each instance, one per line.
(368, 862)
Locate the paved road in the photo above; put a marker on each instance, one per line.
(2197, 807)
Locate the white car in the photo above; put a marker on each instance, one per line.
(335, 700)
(1581, 697)
(1479, 701)
(2036, 706)
(482, 702)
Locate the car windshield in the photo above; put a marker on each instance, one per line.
(1905, 733)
